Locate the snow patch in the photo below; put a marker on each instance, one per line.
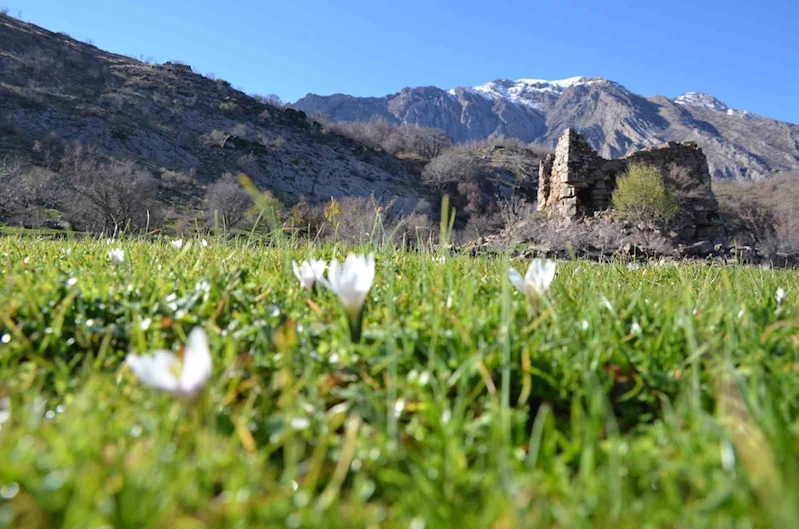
(529, 92)
(698, 99)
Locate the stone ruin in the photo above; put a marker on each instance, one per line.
(576, 182)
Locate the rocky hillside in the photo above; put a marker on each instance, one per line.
(55, 90)
(738, 144)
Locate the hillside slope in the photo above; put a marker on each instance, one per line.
(56, 90)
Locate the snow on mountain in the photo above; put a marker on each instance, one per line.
(698, 99)
(529, 92)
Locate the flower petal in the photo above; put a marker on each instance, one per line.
(156, 370)
(197, 363)
(516, 278)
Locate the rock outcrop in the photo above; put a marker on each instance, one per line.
(576, 182)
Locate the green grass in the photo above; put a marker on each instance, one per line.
(458, 409)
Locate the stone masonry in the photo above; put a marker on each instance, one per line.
(576, 182)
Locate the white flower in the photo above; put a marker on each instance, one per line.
(536, 281)
(633, 266)
(204, 243)
(177, 244)
(440, 259)
(780, 298)
(116, 256)
(72, 281)
(351, 282)
(309, 272)
(584, 325)
(163, 370)
(635, 328)
(5, 410)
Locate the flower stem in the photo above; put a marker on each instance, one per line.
(356, 325)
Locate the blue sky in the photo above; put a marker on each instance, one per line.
(745, 53)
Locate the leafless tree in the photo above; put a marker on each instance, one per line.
(227, 201)
(10, 188)
(453, 166)
(110, 195)
(25, 192)
(423, 141)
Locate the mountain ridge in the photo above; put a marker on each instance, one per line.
(739, 144)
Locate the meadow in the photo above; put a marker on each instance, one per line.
(662, 396)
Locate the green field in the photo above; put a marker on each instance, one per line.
(459, 408)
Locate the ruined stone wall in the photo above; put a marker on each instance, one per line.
(577, 182)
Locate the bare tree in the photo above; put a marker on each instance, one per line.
(11, 188)
(422, 141)
(227, 201)
(453, 166)
(108, 195)
(25, 192)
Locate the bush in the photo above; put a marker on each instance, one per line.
(378, 133)
(452, 167)
(641, 196)
(307, 220)
(359, 219)
(762, 214)
(227, 202)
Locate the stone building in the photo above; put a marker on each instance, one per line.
(576, 182)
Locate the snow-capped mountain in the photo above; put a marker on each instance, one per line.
(529, 92)
(738, 144)
(699, 99)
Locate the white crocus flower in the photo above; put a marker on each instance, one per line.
(780, 298)
(177, 244)
(116, 256)
(309, 272)
(636, 328)
(351, 282)
(5, 410)
(163, 370)
(536, 281)
(204, 243)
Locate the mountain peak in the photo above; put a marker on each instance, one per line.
(529, 92)
(699, 99)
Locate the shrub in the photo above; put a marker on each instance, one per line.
(414, 229)
(226, 202)
(266, 212)
(307, 220)
(378, 133)
(763, 214)
(452, 167)
(641, 196)
(215, 137)
(514, 210)
(359, 219)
